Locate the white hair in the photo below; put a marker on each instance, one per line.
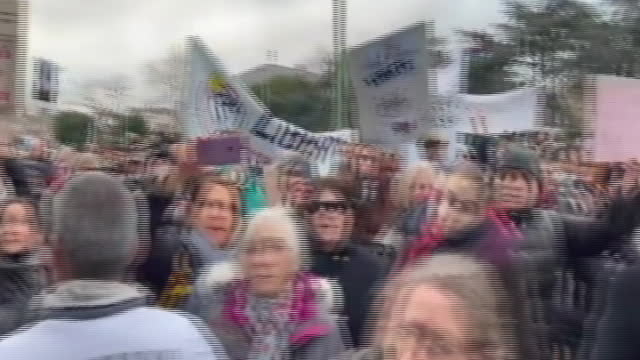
(274, 215)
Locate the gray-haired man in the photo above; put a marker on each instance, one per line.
(90, 313)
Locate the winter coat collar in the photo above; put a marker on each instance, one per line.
(304, 309)
(88, 299)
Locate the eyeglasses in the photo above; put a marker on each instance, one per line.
(330, 206)
(219, 205)
(465, 206)
(435, 346)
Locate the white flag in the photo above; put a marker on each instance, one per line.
(215, 101)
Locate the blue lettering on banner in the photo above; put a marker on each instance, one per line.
(287, 137)
(389, 72)
(260, 127)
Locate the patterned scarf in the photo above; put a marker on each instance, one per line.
(270, 323)
(503, 235)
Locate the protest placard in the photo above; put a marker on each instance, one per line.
(390, 79)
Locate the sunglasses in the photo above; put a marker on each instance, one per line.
(331, 206)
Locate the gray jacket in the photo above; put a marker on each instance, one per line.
(316, 339)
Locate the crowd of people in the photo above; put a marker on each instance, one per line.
(147, 255)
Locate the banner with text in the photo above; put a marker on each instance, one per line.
(507, 112)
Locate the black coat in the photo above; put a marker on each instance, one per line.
(20, 279)
(358, 270)
(617, 334)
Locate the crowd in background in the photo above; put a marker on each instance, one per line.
(144, 254)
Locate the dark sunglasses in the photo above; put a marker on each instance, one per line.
(335, 206)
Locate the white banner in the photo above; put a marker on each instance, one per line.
(451, 77)
(215, 102)
(391, 83)
(506, 112)
(510, 111)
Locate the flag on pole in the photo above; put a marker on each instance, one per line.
(215, 101)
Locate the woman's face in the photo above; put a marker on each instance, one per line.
(18, 234)
(421, 187)
(270, 263)
(428, 323)
(462, 207)
(331, 219)
(515, 191)
(215, 212)
(368, 161)
(298, 191)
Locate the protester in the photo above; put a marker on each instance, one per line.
(549, 240)
(464, 223)
(22, 272)
(337, 254)
(371, 171)
(6, 184)
(289, 182)
(415, 192)
(33, 174)
(616, 334)
(450, 307)
(215, 214)
(436, 149)
(273, 309)
(89, 313)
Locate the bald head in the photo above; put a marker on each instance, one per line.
(95, 226)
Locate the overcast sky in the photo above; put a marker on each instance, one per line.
(93, 39)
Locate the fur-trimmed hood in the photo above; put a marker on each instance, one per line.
(215, 300)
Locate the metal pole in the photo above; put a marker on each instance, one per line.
(340, 100)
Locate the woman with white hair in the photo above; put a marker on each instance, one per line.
(263, 305)
(449, 307)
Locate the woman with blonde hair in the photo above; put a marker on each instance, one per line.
(415, 193)
(449, 307)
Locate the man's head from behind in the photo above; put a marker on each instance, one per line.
(94, 228)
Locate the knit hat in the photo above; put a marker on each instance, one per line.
(520, 159)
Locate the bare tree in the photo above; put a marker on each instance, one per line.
(107, 97)
(165, 78)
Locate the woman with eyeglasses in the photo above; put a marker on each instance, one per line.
(214, 215)
(447, 308)
(338, 255)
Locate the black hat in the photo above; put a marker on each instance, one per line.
(520, 159)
